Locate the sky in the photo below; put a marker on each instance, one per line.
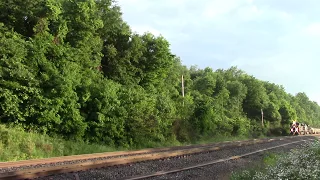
(274, 40)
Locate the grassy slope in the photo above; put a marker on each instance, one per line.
(16, 144)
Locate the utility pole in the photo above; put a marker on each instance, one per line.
(182, 87)
(262, 118)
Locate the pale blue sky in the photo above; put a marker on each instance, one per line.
(274, 40)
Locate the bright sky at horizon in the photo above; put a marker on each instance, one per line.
(273, 40)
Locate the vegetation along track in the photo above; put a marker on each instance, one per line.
(45, 167)
(76, 159)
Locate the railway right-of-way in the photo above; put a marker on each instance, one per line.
(211, 161)
(216, 164)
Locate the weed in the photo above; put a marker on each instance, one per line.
(300, 163)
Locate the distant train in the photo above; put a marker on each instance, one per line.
(297, 128)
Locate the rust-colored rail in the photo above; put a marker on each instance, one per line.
(161, 173)
(153, 155)
(111, 154)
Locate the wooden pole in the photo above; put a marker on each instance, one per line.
(182, 87)
(262, 118)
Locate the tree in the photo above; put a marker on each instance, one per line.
(256, 98)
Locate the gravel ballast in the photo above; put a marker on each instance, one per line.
(216, 171)
(223, 170)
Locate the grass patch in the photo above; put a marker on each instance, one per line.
(16, 144)
(297, 164)
(270, 159)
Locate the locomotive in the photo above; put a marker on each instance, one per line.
(297, 128)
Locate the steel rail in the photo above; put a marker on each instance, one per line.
(161, 173)
(118, 153)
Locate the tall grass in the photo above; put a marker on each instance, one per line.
(16, 144)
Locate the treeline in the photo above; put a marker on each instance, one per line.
(74, 68)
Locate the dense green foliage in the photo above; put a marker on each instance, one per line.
(74, 68)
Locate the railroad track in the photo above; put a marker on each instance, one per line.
(51, 166)
(77, 159)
